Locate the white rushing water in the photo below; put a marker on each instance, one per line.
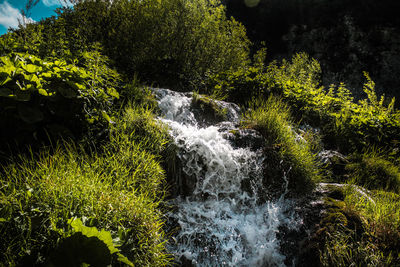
(220, 223)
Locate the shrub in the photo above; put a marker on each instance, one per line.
(169, 42)
(41, 98)
(345, 124)
(241, 85)
(288, 157)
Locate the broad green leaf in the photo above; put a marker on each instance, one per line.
(4, 79)
(104, 236)
(31, 68)
(75, 85)
(46, 75)
(43, 92)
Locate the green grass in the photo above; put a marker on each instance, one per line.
(377, 243)
(373, 171)
(118, 189)
(286, 155)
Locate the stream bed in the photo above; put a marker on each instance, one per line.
(221, 219)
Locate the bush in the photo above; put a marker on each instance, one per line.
(171, 42)
(242, 85)
(51, 98)
(118, 190)
(350, 126)
(288, 157)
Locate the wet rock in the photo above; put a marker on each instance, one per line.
(185, 262)
(179, 182)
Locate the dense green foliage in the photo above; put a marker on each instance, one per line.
(170, 42)
(345, 124)
(118, 189)
(373, 171)
(98, 198)
(50, 97)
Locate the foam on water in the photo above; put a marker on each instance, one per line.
(220, 223)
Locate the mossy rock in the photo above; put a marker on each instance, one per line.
(208, 110)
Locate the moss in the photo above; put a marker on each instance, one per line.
(362, 230)
(209, 107)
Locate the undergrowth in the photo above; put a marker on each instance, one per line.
(373, 171)
(118, 189)
(376, 243)
(345, 124)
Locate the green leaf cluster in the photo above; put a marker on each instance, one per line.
(349, 125)
(169, 42)
(345, 123)
(54, 95)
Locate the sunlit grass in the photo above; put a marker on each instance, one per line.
(373, 171)
(272, 119)
(377, 243)
(118, 189)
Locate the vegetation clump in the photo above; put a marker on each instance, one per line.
(209, 107)
(375, 240)
(43, 98)
(344, 123)
(373, 171)
(287, 157)
(118, 189)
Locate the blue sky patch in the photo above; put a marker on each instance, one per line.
(10, 12)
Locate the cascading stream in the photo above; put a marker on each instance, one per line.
(222, 222)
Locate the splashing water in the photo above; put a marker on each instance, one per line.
(221, 223)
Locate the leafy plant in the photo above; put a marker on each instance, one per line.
(241, 85)
(172, 42)
(349, 125)
(86, 245)
(54, 96)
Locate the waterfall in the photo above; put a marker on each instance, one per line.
(222, 222)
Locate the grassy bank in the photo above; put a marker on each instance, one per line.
(117, 189)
